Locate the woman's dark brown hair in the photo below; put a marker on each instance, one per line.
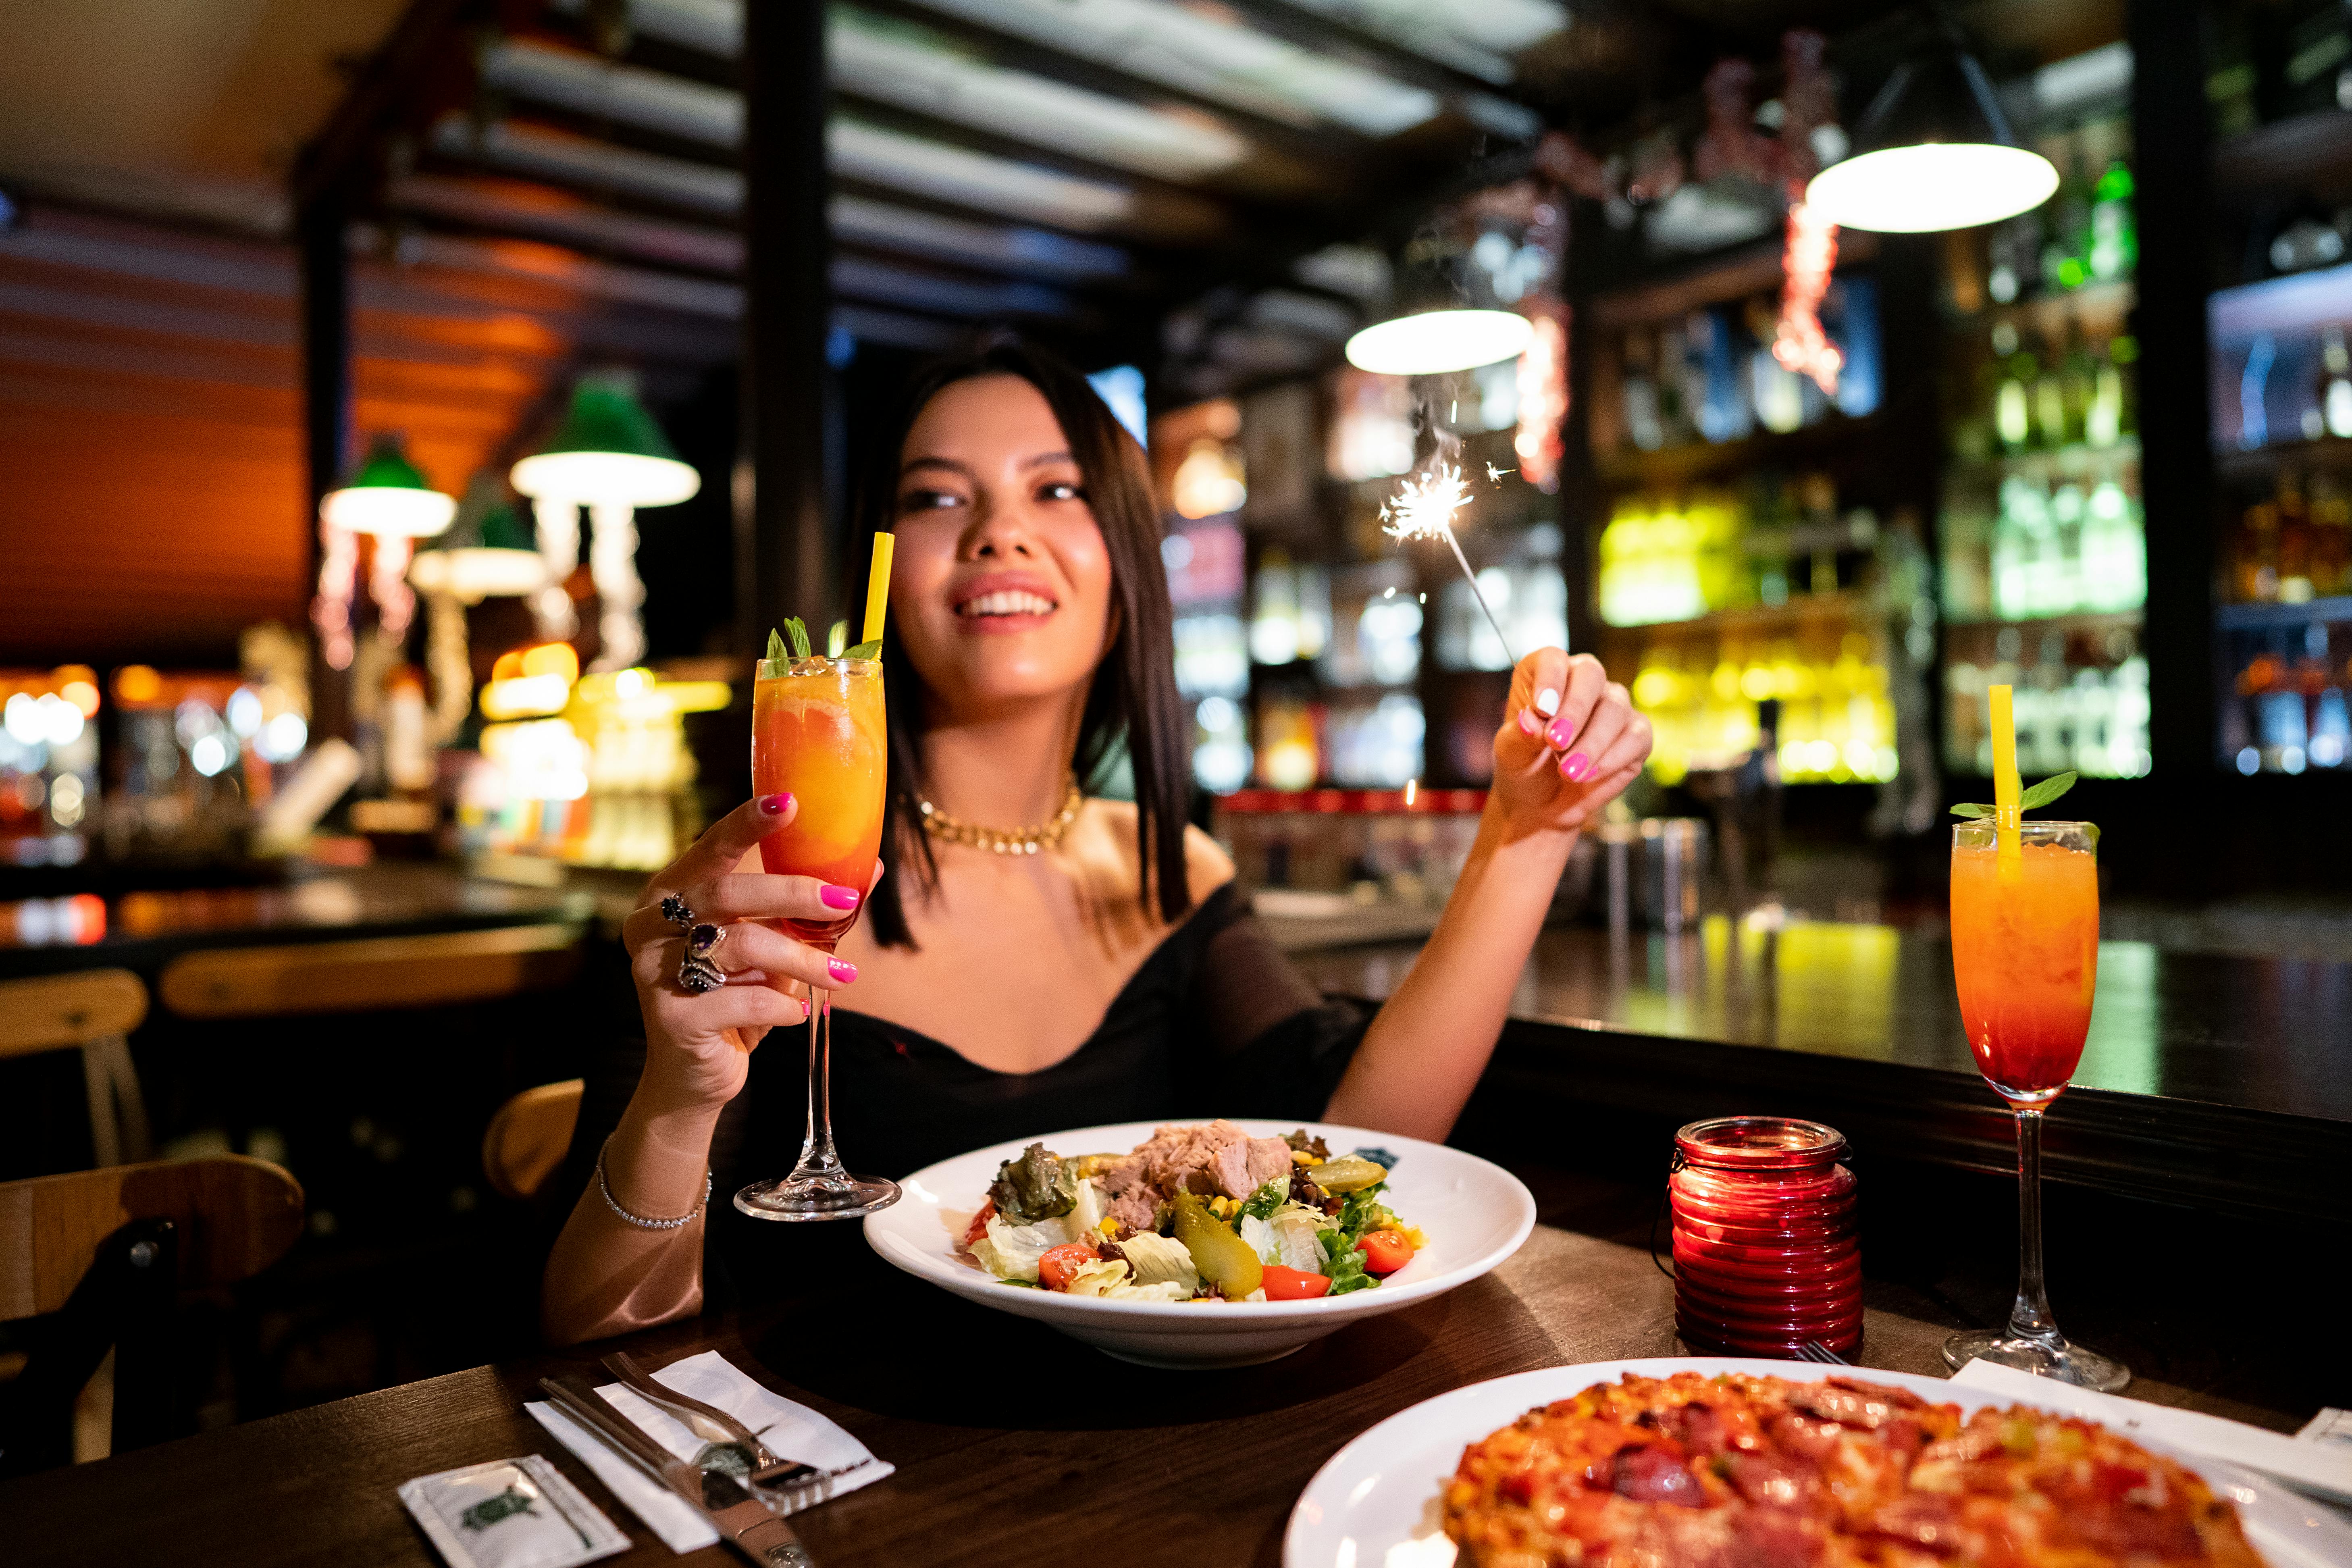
(1133, 697)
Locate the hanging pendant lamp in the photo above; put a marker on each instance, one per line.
(610, 457)
(1435, 343)
(388, 496)
(1933, 152)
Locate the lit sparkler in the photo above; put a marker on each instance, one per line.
(1423, 508)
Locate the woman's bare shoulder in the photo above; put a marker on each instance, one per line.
(1107, 826)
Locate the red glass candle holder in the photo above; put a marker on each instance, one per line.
(1767, 1251)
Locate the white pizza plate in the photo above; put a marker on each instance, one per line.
(1374, 1503)
(1475, 1214)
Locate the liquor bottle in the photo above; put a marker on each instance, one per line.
(2066, 577)
(2331, 537)
(2102, 419)
(2115, 236)
(2253, 577)
(2066, 242)
(2078, 382)
(2336, 388)
(2050, 397)
(2295, 542)
(2114, 551)
(2011, 418)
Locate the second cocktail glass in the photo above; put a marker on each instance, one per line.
(818, 731)
(2025, 957)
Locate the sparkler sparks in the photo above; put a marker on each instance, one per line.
(1424, 507)
(1495, 475)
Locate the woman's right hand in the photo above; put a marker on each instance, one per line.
(698, 1047)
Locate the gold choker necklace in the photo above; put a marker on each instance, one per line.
(1046, 836)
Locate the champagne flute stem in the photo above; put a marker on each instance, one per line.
(2030, 1318)
(818, 1160)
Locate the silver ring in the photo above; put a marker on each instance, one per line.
(675, 910)
(703, 938)
(696, 975)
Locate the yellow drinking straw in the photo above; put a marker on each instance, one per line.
(2005, 792)
(877, 585)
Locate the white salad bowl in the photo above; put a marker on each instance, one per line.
(1475, 1214)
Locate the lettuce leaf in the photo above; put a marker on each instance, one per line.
(1107, 1277)
(1011, 1251)
(1161, 1260)
(1347, 1268)
(1261, 1203)
(1034, 1187)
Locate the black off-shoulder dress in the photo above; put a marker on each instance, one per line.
(1215, 1023)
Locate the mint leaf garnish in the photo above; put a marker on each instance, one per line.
(799, 633)
(776, 646)
(2045, 792)
(864, 650)
(2040, 795)
(837, 639)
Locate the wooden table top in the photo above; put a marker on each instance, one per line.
(1011, 1443)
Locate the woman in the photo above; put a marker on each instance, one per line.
(1115, 973)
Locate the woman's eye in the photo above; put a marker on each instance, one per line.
(1062, 490)
(927, 500)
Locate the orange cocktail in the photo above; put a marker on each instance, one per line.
(2025, 951)
(818, 732)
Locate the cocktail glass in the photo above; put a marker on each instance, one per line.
(2025, 954)
(818, 731)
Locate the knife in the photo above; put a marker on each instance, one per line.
(768, 1542)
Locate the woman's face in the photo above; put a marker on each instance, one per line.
(1000, 586)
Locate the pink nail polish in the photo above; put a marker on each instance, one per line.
(775, 805)
(1560, 734)
(1574, 767)
(844, 973)
(839, 898)
(1527, 723)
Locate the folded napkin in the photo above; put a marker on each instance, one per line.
(2323, 1469)
(793, 1431)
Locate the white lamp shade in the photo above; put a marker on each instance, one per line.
(474, 573)
(389, 510)
(1930, 186)
(1436, 342)
(628, 479)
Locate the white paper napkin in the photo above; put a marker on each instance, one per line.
(793, 1430)
(2321, 1468)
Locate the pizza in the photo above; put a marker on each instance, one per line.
(1740, 1471)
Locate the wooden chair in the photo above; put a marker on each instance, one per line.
(378, 972)
(95, 1011)
(530, 1136)
(103, 1255)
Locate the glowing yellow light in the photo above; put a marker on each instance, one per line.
(525, 696)
(555, 659)
(137, 683)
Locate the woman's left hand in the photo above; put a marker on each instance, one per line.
(1570, 742)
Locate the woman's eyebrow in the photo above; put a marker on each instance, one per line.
(951, 464)
(1042, 459)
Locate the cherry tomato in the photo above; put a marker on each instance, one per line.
(1282, 1284)
(979, 1224)
(1385, 1251)
(1060, 1263)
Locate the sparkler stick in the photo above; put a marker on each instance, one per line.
(1423, 509)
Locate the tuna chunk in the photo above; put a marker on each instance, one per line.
(1241, 1168)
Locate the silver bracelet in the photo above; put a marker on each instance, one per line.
(639, 1220)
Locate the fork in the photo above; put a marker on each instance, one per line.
(1814, 1350)
(767, 1470)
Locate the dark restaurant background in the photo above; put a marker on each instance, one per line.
(2099, 450)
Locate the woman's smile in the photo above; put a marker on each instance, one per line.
(1002, 602)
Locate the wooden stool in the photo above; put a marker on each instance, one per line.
(108, 1251)
(530, 1136)
(94, 1010)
